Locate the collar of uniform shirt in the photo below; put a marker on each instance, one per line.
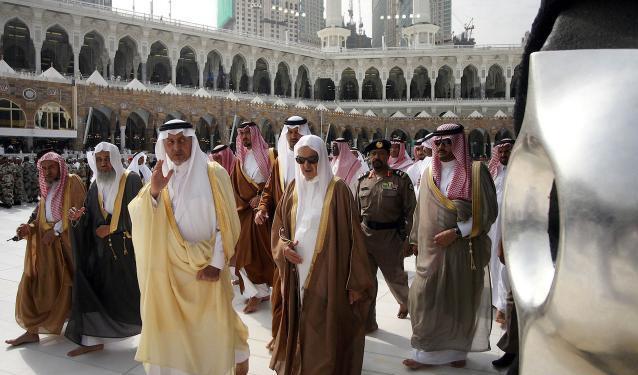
(373, 173)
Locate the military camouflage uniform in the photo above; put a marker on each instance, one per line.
(30, 178)
(19, 194)
(6, 182)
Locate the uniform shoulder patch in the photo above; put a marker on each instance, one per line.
(399, 173)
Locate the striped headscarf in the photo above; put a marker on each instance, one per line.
(461, 184)
(494, 161)
(58, 194)
(259, 148)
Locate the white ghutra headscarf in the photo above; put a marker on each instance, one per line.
(108, 191)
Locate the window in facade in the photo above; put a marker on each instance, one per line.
(11, 116)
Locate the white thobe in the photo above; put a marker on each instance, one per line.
(251, 168)
(498, 273)
(48, 210)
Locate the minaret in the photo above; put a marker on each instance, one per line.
(333, 37)
(422, 33)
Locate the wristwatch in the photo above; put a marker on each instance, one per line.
(458, 231)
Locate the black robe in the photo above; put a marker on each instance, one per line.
(106, 296)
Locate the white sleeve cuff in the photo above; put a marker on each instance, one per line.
(218, 260)
(241, 355)
(58, 226)
(465, 227)
(153, 201)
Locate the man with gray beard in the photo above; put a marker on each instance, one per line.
(106, 296)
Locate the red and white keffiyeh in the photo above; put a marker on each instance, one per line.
(58, 194)
(461, 185)
(346, 164)
(402, 161)
(494, 160)
(226, 158)
(259, 149)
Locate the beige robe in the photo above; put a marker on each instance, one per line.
(324, 335)
(450, 304)
(187, 324)
(43, 301)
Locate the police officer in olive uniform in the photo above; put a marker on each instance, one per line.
(386, 202)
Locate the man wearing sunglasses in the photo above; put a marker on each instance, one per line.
(450, 302)
(386, 202)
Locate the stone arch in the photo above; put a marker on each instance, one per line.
(514, 85)
(100, 126)
(445, 82)
(261, 77)
(396, 86)
(56, 50)
(495, 82)
(17, 46)
(207, 132)
(503, 133)
(420, 85)
(158, 65)
(302, 84)
(187, 72)
(332, 133)
(324, 89)
(93, 53)
(214, 76)
(372, 85)
(135, 131)
(53, 116)
(11, 115)
(174, 115)
(349, 86)
(348, 134)
(479, 143)
(470, 83)
(238, 74)
(125, 60)
(268, 131)
(421, 133)
(283, 86)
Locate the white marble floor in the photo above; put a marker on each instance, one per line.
(384, 350)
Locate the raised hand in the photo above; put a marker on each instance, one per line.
(158, 181)
(75, 214)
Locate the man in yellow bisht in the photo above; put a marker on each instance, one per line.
(185, 227)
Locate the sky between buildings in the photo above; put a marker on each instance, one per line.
(495, 21)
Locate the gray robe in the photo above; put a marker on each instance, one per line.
(449, 299)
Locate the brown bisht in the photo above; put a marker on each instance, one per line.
(253, 248)
(270, 198)
(325, 335)
(450, 299)
(44, 294)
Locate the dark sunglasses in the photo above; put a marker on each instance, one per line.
(444, 141)
(311, 160)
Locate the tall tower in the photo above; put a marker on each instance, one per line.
(333, 36)
(422, 33)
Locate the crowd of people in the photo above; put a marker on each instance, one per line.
(123, 246)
